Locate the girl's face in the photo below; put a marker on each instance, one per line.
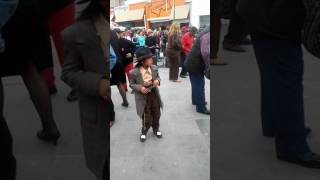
(148, 62)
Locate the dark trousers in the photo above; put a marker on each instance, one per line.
(152, 113)
(217, 27)
(7, 159)
(282, 112)
(237, 30)
(183, 58)
(174, 62)
(198, 91)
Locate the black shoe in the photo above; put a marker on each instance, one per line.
(143, 137)
(49, 136)
(205, 111)
(309, 160)
(158, 134)
(72, 96)
(53, 90)
(183, 76)
(233, 47)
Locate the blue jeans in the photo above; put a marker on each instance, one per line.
(281, 73)
(7, 8)
(198, 93)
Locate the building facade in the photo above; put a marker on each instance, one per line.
(153, 13)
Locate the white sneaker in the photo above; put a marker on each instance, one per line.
(143, 138)
(158, 134)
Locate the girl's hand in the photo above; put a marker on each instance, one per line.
(156, 83)
(144, 90)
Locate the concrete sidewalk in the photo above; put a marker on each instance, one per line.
(182, 154)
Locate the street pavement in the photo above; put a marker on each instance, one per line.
(240, 152)
(182, 154)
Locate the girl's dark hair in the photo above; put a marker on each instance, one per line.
(93, 10)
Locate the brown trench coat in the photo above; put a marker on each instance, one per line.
(84, 67)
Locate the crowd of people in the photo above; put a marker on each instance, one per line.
(93, 57)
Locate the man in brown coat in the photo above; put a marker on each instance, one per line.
(86, 69)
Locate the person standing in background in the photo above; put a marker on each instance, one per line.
(141, 39)
(196, 64)
(187, 43)
(57, 22)
(126, 52)
(118, 74)
(173, 52)
(276, 31)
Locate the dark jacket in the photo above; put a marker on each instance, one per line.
(282, 19)
(194, 62)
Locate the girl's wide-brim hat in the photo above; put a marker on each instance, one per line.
(143, 53)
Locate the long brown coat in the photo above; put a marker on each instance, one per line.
(136, 82)
(85, 65)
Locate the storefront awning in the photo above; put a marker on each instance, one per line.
(181, 12)
(159, 19)
(133, 15)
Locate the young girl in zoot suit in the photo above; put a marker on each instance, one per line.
(145, 81)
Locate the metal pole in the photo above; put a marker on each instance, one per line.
(174, 10)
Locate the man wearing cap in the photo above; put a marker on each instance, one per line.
(144, 82)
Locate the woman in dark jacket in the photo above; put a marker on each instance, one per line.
(118, 77)
(173, 51)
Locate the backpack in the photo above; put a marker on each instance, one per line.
(311, 27)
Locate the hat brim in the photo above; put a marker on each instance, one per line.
(144, 57)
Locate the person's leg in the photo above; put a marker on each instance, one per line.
(127, 70)
(146, 119)
(198, 92)
(41, 99)
(267, 91)
(123, 94)
(285, 70)
(171, 68)
(175, 67)
(183, 72)
(7, 159)
(237, 32)
(48, 75)
(156, 112)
